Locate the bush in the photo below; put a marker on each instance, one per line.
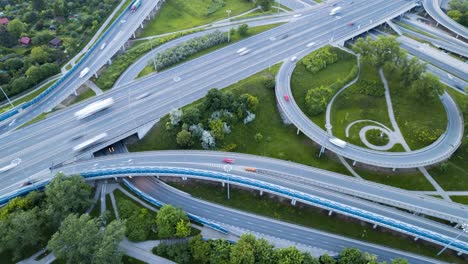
(370, 88)
(182, 51)
(317, 99)
(376, 137)
(320, 59)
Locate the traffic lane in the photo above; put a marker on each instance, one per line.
(267, 226)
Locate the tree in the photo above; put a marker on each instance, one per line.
(14, 64)
(200, 249)
(220, 250)
(183, 228)
(411, 70)
(327, 259)
(258, 137)
(213, 100)
(317, 99)
(243, 30)
(184, 138)
(243, 252)
(22, 230)
(350, 256)
(427, 87)
(383, 50)
(40, 54)
(217, 129)
(79, 240)
(455, 15)
(290, 255)
(175, 115)
(139, 223)
(191, 116)
(270, 83)
(38, 5)
(264, 252)
(16, 27)
(167, 219)
(65, 196)
(265, 4)
(7, 39)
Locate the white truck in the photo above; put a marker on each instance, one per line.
(89, 142)
(94, 108)
(338, 142)
(335, 10)
(84, 72)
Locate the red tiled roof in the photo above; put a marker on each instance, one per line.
(25, 40)
(4, 21)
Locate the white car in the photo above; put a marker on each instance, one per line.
(103, 45)
(310, 44)
(293, 59)
(241, 50)
(244, 52)
(143, 95)
(297, 15)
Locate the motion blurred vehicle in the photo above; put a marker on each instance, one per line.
(241, 50)
(286, 98)
(143, 95)
(350, 24)
(94, 108)
(84, 72)
(338, 142)
(335, 10)
(250, 169)
(88, 143)
(293, 59)
(228, 160)
(244, 52)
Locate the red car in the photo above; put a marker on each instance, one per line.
(228, 160)
(286, 97)
(351, 24)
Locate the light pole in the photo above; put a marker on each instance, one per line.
(229, 31)
(7, 97)
(227, 169)
(153, 55)
(464, 229)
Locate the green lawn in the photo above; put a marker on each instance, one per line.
(460, 199)
(416, 118)
(352, 105)
(455, 177)
(411, 180)
(84, 95)
(178, 15)
(279, 140)
(234, 38)
(302, 80)
(307, 216)
(38, 118)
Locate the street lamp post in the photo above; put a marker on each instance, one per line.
(229, 31)
(154, 59)
(464, 229)
(7, 97)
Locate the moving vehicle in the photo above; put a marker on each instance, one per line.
(250, 169)
(241, 50)
(8, 167)
(94, 108)
(84, 72)
(350, 24)
(135, 6)
(335, 10)
(228, 160)
(338, 142)
(297, 15)
(293, 59)
(26, 183)
(143, 95)
(89, 142)
(244, 52)
(103, 45)
(310, 44)
(286, 97)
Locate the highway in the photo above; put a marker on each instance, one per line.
(433, 9)
(37, 144)
(96, 57)
(262, 226)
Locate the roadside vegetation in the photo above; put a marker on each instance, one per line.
(266, 135)
(458, 11)
(249, 249)
(178, 15)
(37, 36)
(274, 207)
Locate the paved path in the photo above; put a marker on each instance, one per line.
(142, 251)
(397, 133)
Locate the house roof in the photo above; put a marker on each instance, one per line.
(25, 40)
(4, 21)
(55, 42)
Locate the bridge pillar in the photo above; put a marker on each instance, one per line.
(354, 163)
(109, 62)
(75, 93)
(123, 47)
(261, 192)
(293, 202)
(222, 184)
(95, 75)
(322, 150)
(416, 238)
(298, 131)
(456, 36)
(141, 25)
(394, 169)
(375, 226)
(133, 35)
(184, 178)
(457, 225)
(330, 213)
(459, 253)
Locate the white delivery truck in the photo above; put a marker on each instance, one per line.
(335, 10)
